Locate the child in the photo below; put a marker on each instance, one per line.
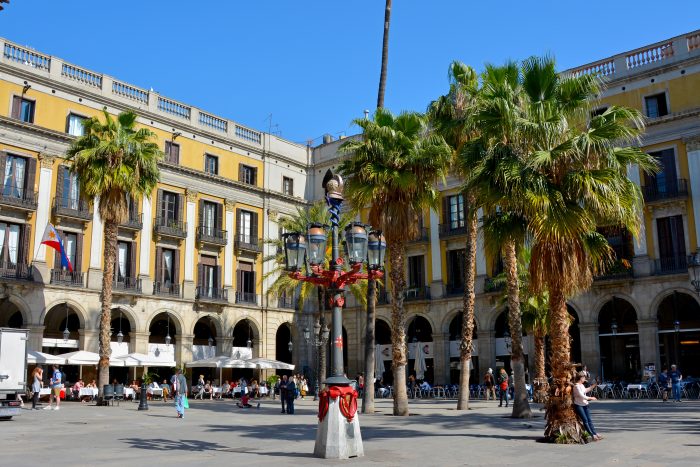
(245, 402)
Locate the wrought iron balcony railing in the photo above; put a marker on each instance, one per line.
(211, 235)
(168, 227)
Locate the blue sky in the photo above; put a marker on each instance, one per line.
(314, 65)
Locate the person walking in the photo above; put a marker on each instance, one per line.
(676, 378)
(581, 404)
(291, 395)
(55, 383)
(664, 384)
(37, 376)
(490, 385)
(179, 386)
(283, 393)
(503, 386)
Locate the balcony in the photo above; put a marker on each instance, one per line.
(672, 189)
(15, 271)
(286, 302)
(169, 290)
(134, 222)
(72, 208)
(413, 294)
(168, 227)
(211, 294)
(620, 269)
(671, 265)
(250, 298)
(423, 236)
(248, 243)
(452, 229)
(18, 198)
(67, 278)
(127, 285)
(212, 236)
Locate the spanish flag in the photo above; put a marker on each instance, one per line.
(52, 239)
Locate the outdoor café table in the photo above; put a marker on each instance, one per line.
(638, 388)
(155, 392)
(216, 392)
(263, 390)
(89, 392)
(128, 392)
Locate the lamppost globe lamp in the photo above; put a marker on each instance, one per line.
(249, 344)
(356, 243)
(307, 334)
(317, 329)
(677, 326)
(120, 337)
(613, 327)
(376, 250)
(317, 244)
(294, 251)
(290, 346)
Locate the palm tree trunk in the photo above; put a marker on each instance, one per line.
(385, 54)
(398, 327)
(562, 423)
(521, 407)
(368, 396)
(465, 353)
(110, 255)
(540, 381)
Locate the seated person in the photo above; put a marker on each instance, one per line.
(91, 384)
(226, 389)
(245, 402)
(136, 387)
(208, 389)
(425, 386)
(75, 390)
(382, 390)
(166, 389)
(151, 387)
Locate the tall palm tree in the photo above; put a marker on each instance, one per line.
(578, 180)
(393, 169)
(288, 286)
(116, 163)
(385, 54)
(452, 117)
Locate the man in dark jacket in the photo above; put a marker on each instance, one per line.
(291, 395)
(283, 392)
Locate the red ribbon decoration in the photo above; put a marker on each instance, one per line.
(347, 402)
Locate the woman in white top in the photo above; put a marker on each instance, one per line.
(581, 404)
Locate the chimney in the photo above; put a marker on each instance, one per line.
(327, 138)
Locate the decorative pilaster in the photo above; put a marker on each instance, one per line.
(641, 264)
(183, 349)
(692, 148)
(437, 285)
(94, 275)
(189, 285)
(41, 270)
(229, 206)
(441, 359)
(649, 342)
(139, 342)
(145, 249)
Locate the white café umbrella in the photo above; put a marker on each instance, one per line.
(83, 357)
(419, 364)
(378, 362)
(268, 364)
(140, 359)
(35, 358)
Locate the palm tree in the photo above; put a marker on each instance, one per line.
(452, 117)
(393, 170)
(115, 163)
(385, 54)
(287, 286)
(577, 180)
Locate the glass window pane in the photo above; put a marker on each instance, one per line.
(75, 125)
(167, 268)
(70, 244)
(3, 232)
(122, 254)
(246, 224)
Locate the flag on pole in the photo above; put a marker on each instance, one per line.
(52, 239)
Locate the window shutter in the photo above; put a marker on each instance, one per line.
(3, 163)
(78, 266)
(255, 177)
(238, 224)
(132, 260)
(59, 181)
(16, 106)
(446, 210)
(254, 229)
(23, 257)
(201, 212)
(160, 210)
(679, 237)
(56, 254)
(175, 153)
(29, 178)
(219, 216)
(240, 172)
(239, 276)
(180, 207)
(253, 284)
(200, 275)
(217, 279)
(159, 264)
(176, 267)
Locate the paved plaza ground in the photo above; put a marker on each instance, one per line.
(637, 432)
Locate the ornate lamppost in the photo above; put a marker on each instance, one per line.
(338, 435)
(320, 339)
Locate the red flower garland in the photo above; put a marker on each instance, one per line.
(348, 401)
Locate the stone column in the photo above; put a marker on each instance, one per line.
(43, 210)
(228, 251)
(225, 345)
(139, 342)
(649, 343)
(641, 264)
(36, 338)
(487, 350)
(89, 340)
(693, 150)
(94, 275)
(590, 347)
(188, 290)
(183, 349)
(441, 358)
(145, 247)
(437, 285)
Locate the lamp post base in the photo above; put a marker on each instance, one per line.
(337, 437)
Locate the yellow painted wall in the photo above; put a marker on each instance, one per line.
(682, 94)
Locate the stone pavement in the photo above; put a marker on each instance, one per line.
(637, 432)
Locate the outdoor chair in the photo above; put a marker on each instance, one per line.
(108, 393)
(118, 393)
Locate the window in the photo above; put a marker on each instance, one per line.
(75, 125)
(208, 276)
(168, 269)
(656, 105)
(599, 111)
(70, 243)
(13, 178)
(172, 152)
(9, 244)
(455, 270)
(455, 212)
(288, 186)
(168, 208)
(23, 109)
(245, 231)
(123, 268)
(209, 218)
(671, 237)
(664, 181)
(619, 240)
(247, 174)
(211, 164)
(245, 277)
(415, 271)
(70, 190)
